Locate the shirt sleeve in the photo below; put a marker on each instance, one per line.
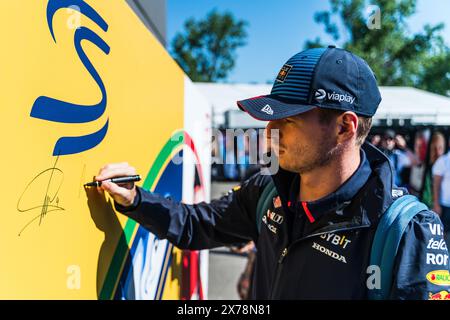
(422, 269)
(225, 221)
(439, 167)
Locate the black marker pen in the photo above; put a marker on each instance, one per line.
(114, 180)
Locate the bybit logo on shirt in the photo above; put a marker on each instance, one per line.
(337, 240)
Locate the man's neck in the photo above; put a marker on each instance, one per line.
(322, 181)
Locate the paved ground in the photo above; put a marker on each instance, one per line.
(224, 266)
(224, 271)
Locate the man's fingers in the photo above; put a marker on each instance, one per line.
(113, 166)
(110, 166)
(113, 189)
(123, 193)
(117, 171)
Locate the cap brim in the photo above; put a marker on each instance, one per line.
(269, 108)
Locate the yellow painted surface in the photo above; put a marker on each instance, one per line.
(65, 252)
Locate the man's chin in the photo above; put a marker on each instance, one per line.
(285, 165)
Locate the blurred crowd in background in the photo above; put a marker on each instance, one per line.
(420, 159)
(412, 156)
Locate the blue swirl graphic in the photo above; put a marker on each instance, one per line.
(79, 5)
(71, 145)
(50, 109)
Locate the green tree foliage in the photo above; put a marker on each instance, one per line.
(398, 57)
(206, 48)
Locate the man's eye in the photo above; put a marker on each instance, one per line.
(288, 120)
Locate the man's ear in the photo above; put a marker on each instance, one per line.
(348, 126)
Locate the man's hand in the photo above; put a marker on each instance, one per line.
(400, 142)
(244, 249)
(123, 194)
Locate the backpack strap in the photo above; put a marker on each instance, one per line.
(387, 240)
(394, 238)
(384, 224)
(264, 202)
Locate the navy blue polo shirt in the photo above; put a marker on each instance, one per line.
(303, 214)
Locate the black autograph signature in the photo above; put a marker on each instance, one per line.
(50, 201)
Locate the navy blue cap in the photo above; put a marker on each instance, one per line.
(328, 78)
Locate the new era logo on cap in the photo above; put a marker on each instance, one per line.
(267, 109)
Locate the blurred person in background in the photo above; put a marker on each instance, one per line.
(441, 188)
(437, 149)
(375, 140)
(395, 148)
(418, 171)
(245, 279)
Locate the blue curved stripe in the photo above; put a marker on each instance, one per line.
(59, 111)
(71, 145)
(79, 5)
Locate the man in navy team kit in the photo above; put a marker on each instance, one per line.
(316, 238)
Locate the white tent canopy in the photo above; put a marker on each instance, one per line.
(399, 103)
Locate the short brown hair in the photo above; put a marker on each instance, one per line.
(364, 123)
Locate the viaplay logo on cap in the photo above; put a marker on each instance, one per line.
(321, 95)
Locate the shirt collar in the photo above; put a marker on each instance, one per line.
(334, 202)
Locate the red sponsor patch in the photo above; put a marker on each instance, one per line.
(277, 202)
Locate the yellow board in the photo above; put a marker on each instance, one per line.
(66, 250)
